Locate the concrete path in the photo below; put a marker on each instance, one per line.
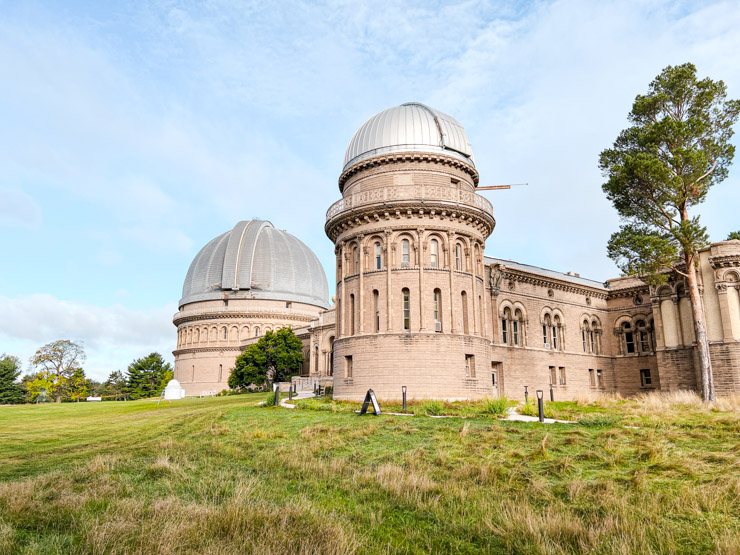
(300, 395)
(514, 416)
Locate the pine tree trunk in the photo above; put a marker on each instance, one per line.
(702, 342)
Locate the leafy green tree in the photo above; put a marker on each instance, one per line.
(733, 235)
(274, 358)
(116, 385)
(58, 361)
(660, 168)
(42, 384)
(76, 387)
(11, 390)
(147, 377)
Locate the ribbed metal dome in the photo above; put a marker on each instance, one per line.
(409, 127)
(255, 260)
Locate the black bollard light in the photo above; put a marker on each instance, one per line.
(295, 387)
(403, 390)
(277, 395)
(526, 394)
(552, 395)
(541, 404)
(290, 394)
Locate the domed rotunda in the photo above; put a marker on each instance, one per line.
(245, 282)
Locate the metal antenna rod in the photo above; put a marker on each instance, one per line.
(497, 187)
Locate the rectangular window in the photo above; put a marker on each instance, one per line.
(629, 339)
(348, 366)
(553, 376)
(583, 336)
(599, 379)
(562, 375)
(644, 343)
(406, 310)
(377, 256)
(554, 334)
(405, 253)
(434, 253)
(591, 377)
(544, 335)
(515, 331)
(287, 304)
(645, 379)
(437, 315)
(470, 366)
(504, 331)
(376, 298)
(593, 342)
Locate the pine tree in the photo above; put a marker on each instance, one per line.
(147, 377)
(10, 389)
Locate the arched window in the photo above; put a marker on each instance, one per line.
(437, 310)
(464, 299)
(518, 326)
(352, 314)
(376, 308)
(405, 253)
(378, 259)
(515, 332)
(643, 337)
(434, 256)
(223, 333)
(356, 259)
(406, 310)
(505, 319)
(547, 332)
(256, 331)
(556, 326)
(629, 338)
(595, 338)
(458, 257)
(584, 335)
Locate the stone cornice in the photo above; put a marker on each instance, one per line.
(630, 291)
(258, 315)
(727, 261)
(208, 349)
(554, 283)
(415, 208)
(401, 157)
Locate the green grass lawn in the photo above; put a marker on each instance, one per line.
(223, 475)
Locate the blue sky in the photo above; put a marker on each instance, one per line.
(133, 133)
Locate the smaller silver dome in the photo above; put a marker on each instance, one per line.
(256, 261)
(409, 127)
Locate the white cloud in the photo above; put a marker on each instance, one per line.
(113, 336)
(17, 209)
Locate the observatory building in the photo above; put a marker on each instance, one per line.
(419, 305)
(245, 282)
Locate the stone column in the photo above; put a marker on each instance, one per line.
(658, 324)
(420, 251)
(474, 293)
(724, 310)
(390, 251)
(340, 291)
(363, 248)
(451, 239)
(677, 316)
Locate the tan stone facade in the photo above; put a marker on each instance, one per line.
(419, 305)
(211, 334)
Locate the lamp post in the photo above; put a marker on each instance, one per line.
(541, 404)
(526, 394)
(403, 391)
(552, 395)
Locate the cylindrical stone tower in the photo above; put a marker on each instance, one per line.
(409, 235)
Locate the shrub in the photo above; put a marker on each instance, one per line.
(530, 409)
(431, 408)
(494, 406)
(270, 401)
(600, 420)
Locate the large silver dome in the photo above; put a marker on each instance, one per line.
(409, 127)
(256, 261)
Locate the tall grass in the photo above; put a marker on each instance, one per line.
(224, 476)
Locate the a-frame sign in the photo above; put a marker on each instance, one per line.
(370, 398)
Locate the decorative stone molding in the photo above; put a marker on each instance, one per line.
(404, 157)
